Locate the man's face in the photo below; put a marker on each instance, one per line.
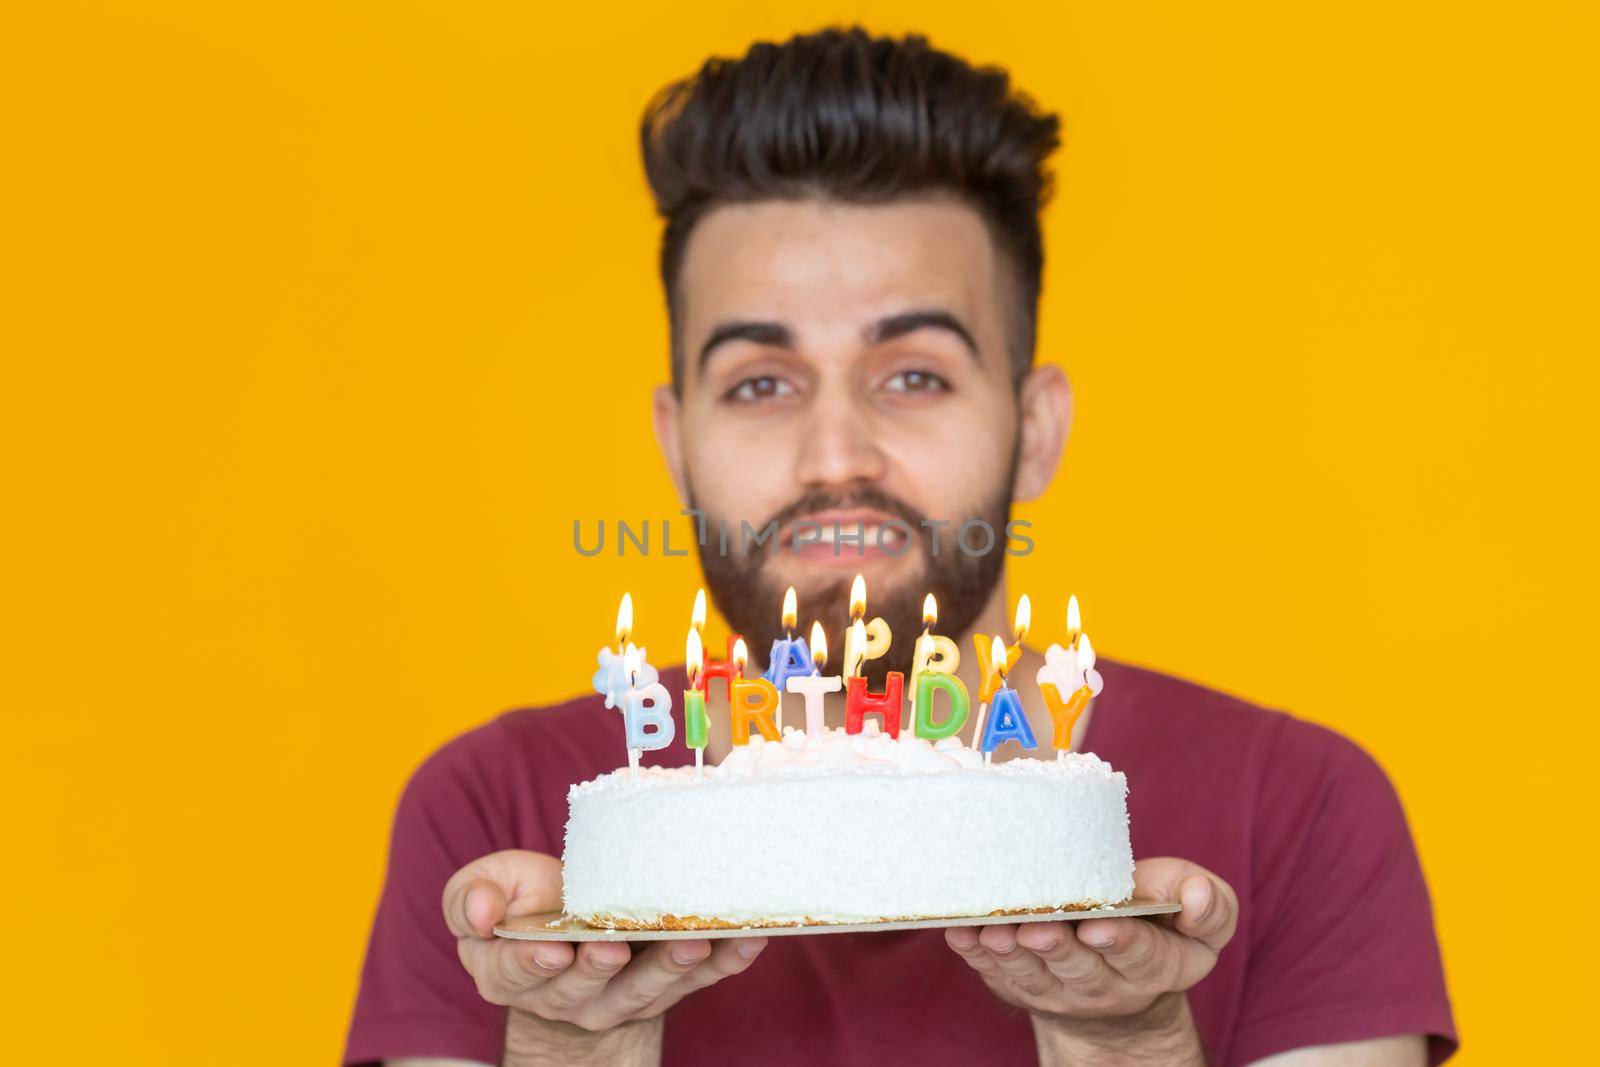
(846, 364)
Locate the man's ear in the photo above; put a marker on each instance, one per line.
(664, 414)
(1045, 406)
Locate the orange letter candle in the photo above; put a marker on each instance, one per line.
(750, 699)
(1064, 713)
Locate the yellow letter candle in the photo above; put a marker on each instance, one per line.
(814, 687)
(752, 700)
(870, 640)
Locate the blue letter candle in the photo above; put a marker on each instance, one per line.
(1006, 722)
(790, 659)
(648, 715)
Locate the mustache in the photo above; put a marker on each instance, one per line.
(865, 496)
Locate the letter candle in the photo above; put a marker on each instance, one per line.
(990, 679)
(874, 637)
(724, 669)
(1007, 721)
(934, 655)
(812, 687)
(858, 699)
(790, 657)
(750, 700)
(611, 678)
(697, 614)
(647, 714)
(1069, 671)
(696, 725)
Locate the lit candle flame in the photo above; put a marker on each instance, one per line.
(858, 647)
(1074, 621)
(741, 656)
(858, 598)
(624, 620)
(697, 615)
(630, 665)
(694, 656)
(1085, 654)
(997, 656)
(1024, 619)
(819, 646)
(790, 611)
(930, 611)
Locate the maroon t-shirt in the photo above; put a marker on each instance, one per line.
(1335, 940)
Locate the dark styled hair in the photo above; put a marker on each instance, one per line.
(845, 115)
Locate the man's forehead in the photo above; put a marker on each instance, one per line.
(827, 264)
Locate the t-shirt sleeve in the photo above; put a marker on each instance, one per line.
(416, 999)
(1342, 944)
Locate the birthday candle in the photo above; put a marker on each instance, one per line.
(647, 714)
(812, 687)
(872, 639)
(789, 656)
(936, 655)
(696, 726)
(611, 678)
(1007, 721)
(991, 677)
(751, 700)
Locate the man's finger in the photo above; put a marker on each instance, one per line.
(1019, 966)
(596, 964)
(651, 973)
(526, 883)
(1141, 952)
(508, 971)
(1079, 968)
(964, 940)
(1210, 911)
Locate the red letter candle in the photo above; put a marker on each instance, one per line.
(859, 701)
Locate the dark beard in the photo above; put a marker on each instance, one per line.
(751, 599)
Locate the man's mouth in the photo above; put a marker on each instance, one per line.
(846, 537)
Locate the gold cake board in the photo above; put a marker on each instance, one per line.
(558, 926)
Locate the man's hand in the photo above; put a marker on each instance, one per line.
(1109, 985)
(601, 986)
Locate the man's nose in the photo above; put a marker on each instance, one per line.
(840, 444)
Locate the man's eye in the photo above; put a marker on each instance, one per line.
(916, 381)
(765, 387)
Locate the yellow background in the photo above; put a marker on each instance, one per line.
(325, 320)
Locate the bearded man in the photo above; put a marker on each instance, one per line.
(852, 260)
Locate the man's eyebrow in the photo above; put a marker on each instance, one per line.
(892, 326)
(775, 334)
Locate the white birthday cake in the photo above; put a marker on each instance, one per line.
(833, 827)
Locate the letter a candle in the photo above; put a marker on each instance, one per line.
(789, 657)
(1007, 721)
